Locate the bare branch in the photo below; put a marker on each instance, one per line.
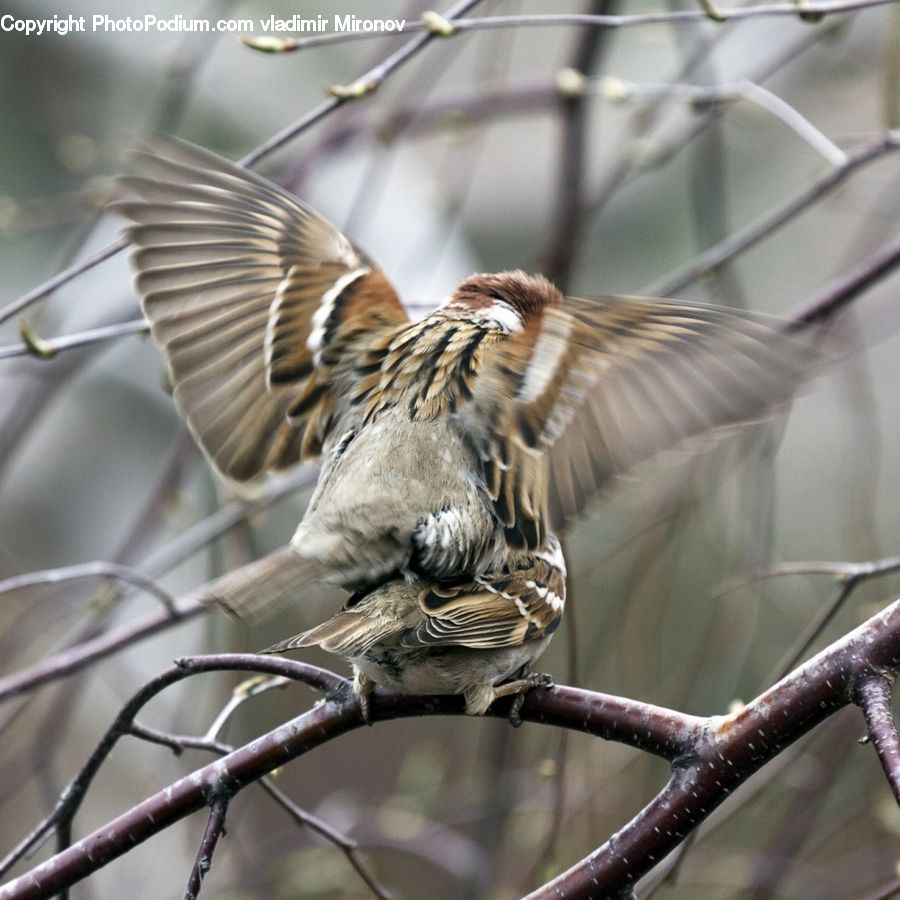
(454, 26)
(215, 828)
(848, 576)
(846, 286)
(70, 799)
(620, 91)
(81, 339)
(710, 757)
(842, 571)
(305, 819)
(113, 571)
(252, 687)
(872, 695)
(575, 108)
(659, 731)
(64, 277)
(733, 748)
(715, 256)
(370, 80)
(79, 655)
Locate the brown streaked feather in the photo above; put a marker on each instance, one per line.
(348, 634)
(238, 278)
(589, 389)
(431, 366)
(501, 609)
(505, 608)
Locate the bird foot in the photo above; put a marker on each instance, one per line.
(363, 688)
(518, 689)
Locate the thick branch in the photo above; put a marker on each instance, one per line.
(731, 750)
(663, 732)
(711, 757)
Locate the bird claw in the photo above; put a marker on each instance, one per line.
(515, 710)
(518, 689)
(363, 688)
(365, 708)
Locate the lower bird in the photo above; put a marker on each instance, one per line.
(462, 636)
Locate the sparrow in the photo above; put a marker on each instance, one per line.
(464, 636)
(453, 448)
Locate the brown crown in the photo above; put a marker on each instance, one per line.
(527, 294)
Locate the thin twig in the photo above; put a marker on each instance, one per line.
(848, 576)
(620, 91)
(215, 828)
(61, 278)
(79, 339)
(586, 20)
(72, 796)
(113, 571)
(348, 846)
(842, 571)
(846, 286)
(366, 84)
(575, 111)
(252, 687)
(631, 165)
(766, 225)
(78, 656)
(178, 743)
(872, 695)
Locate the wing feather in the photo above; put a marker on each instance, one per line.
(259, 304)
(588, 389)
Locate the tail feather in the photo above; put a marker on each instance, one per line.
(263, 586)
(350, 633)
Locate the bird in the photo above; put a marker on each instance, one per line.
(498, 624)
(453, 449)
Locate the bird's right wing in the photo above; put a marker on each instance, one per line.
(255, 300)
(591, 388)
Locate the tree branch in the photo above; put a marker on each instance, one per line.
(873, 696)
(710, 757)
(751, 234)
(452, 26)
(731, 749)
(215, 828)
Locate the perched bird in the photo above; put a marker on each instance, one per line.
(461, 636)
(452, 448)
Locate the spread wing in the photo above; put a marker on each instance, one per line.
(255, 300)
(590, 388)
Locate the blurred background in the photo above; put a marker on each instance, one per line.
(469, 158)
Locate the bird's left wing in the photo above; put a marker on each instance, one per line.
(590, 388)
